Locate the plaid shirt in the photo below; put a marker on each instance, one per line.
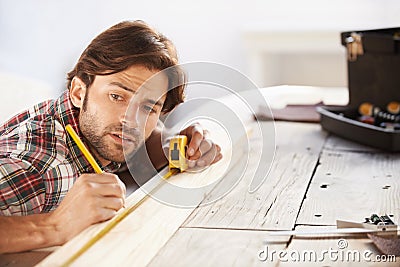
(39, 162)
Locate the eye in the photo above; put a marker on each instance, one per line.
(116, 97)
(149, 109)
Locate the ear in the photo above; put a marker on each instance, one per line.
(77, 92)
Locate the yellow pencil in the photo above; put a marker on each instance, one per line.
(83, 148)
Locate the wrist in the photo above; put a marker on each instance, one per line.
(55, 234)
(21, 233)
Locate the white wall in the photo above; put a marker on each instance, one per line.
(42, 39)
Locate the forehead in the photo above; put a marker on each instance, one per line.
(143, 81)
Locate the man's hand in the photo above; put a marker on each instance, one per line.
(93, 198)
(201, 151)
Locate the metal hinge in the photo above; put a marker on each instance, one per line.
(354, 46)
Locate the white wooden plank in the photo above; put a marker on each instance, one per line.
(142, 233)
(276, 204)
(337, 143)
(138, 232)
(345, 250)
(212, 247)
(352, 186)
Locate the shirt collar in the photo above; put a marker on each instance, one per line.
(67, 113)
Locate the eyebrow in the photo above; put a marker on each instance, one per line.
(158, 103)
(151, 101)
(123, 87)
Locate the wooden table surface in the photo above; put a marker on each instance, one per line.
(315, 178)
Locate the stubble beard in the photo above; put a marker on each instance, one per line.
(98, 138)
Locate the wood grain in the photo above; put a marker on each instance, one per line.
(352, 186)
(276, 204)
(334, 142)
(212, 247)
(141, 235)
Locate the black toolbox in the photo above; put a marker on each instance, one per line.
(373, 76)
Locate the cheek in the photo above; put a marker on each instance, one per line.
(150, 125)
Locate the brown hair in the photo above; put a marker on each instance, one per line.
(131, 43)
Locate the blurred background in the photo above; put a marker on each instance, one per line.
(272, 42)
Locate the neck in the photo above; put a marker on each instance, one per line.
(104, 162)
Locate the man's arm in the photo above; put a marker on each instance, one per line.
(20, 233)
(93, 198)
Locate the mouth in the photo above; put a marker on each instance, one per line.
(123, 138)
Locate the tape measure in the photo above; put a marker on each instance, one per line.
(177, 163)
(177, 153)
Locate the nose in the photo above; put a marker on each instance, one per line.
(130, 117)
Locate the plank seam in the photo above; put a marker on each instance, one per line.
(225, 228)
(309, 184)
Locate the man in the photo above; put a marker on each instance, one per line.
(43, 174)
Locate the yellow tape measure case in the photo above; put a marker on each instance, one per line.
(177, 153)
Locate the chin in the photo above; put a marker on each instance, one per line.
(120, 157)
(117, 159)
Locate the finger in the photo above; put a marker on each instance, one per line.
(204, 147)
(217, 158)
(109, 190)
(196, 156)
(103, 214)
(208, 157)
(113, 203)
(100, 178)
(191, 163)
(206, 134)
(104, 208)
(192, 160)
(195, 140)
(110, 179)
(123, 187)
(188, 130)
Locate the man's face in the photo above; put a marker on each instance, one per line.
(104, 120)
